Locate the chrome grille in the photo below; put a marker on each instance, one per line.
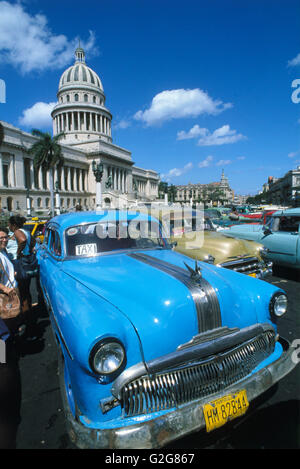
(244, 265)
(171, 388)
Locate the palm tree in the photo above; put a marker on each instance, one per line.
(1, 134)
(47, 153)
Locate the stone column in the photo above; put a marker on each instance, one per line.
(40, 177)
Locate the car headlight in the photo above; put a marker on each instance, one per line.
(108, 357)
(278, 304)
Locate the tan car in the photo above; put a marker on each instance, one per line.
(211, 246)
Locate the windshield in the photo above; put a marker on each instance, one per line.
(96, 238)
(213, 213)
(189, 224)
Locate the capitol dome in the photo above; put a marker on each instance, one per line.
(80, 74)
(80, 112)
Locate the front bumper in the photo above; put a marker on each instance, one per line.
(265, 270)
(175, 424)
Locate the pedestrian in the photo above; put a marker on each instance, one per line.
(10, 384)
(25, 248)
(10, 388)
(8, 280)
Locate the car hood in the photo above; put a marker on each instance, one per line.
(159, 306)
(250, 227)
(222, 248)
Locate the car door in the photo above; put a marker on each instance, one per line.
(283, 240)
(50, 259)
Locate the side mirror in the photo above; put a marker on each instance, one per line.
(266, 230)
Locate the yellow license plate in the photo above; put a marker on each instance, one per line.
(220, 411)
(252, 275)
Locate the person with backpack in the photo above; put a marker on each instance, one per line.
(25, 263)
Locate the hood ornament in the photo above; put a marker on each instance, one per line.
(195, 273)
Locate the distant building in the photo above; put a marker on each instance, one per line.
(208, 193)
(285, 190)
(82, 115)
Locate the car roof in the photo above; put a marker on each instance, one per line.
(290, 212)
(76, 218)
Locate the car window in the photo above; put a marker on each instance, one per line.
(289, 224)
(96, 238)
(213, 213)
(46, 236)
(55, 244)
(187, 224)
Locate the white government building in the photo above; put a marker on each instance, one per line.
(82, 115)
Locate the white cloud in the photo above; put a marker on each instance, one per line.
(221, 136)
(175, 104)
(27, 43)
(194, 132)
(176, 172)
(223, 162)
(205, 163)
(37, 116)
(122, 124)
(293, 154)
(295, 61)
(241, 158)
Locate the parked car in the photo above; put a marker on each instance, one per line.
(280, 236)
(148, 341)
(36, 227)
(210, 245)
(225, 219)
(264, 218)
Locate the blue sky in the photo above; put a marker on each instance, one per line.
(193, 86)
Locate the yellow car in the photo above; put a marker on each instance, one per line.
(195, 236)
(36, 228)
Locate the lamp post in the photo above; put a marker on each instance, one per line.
(164, 186)
(28, 204)
(98, 173)
(57, 199)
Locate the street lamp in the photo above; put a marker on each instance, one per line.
(28, 204)
(164, 186)
(98, 173)
(57, 199)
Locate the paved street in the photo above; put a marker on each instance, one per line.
(275, 423)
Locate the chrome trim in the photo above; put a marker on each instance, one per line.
(161, 429)
(203, 294)
(247, 265)
(174, 387)
(202, 346)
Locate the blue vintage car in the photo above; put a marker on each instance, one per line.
(280, 236)
(152, 346)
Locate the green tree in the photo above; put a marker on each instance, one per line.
(47, 153)
(172, 193)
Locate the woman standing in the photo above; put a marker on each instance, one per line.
(10, 384)
(25, 247)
